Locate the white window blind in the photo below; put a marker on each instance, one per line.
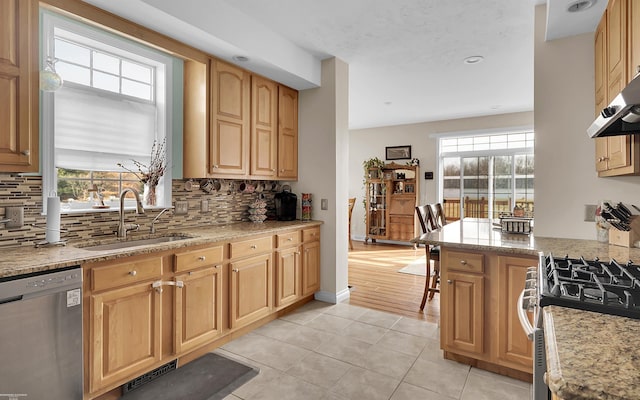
(95, 132)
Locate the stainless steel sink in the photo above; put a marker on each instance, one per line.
(133, 243)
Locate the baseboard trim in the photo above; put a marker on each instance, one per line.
(333, 298)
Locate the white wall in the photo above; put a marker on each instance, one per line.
(565, 177)
(368, 143)
(322, 158)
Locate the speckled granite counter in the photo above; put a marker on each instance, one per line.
(480, 234)
(589, 355)
(26, 259)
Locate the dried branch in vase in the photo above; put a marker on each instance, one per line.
(151, 174)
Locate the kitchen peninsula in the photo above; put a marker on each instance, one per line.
(483, 272)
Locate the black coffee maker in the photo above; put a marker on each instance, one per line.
(286, 205)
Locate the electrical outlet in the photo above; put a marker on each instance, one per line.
(324, 204)
(204, 206)
(16, 215)
(182, 208)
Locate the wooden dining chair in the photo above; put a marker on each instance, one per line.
(352, 203)
(431, 217)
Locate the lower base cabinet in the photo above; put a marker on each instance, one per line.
(479, 318)
(250, 289)
(143, 311)
(124, 335)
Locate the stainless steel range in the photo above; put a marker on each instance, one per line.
(607, 287)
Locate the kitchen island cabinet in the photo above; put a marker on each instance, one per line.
(19, 115)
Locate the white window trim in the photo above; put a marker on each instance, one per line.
(165, 114)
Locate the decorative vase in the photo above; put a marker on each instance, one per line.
(150, 195)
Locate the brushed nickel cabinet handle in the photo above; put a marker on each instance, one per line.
(190, 272)
(26, 152)
(253, 246)
(235, 270)
(202, 258)
(449, 281)
(463, 262)
(217, 267)
(133, 273)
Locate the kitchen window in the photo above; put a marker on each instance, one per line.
(114, 105)
(485, 175)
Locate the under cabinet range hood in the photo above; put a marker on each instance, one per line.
(622, 116)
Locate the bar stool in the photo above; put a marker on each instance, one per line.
(431, 217)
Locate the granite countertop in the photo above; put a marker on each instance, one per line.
(481, 234)
(27, 259)
(591, 355)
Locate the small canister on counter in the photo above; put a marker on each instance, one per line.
(306, 207)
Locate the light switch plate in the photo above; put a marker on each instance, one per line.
(16, 215)
(182, 207)
(324, 204)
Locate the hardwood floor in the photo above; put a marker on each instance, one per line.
(376, 282)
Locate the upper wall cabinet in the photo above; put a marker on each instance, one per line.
(19, 86)
(264, 127)
(252, 130)
(614, 55)
(230, 105)
(287, 133)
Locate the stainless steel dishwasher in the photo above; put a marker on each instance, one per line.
(41, 336)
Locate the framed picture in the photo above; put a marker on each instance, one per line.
(398, 153)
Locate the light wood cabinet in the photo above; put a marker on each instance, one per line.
(250, 289)
(390, 203)
(462, 317)
(287, 133)
(615, 155)
(230, 105)
(288, 275)
(264, 127)
(198, 298)
(633, 37)
(479, 320)
(114, 352)
(19, 114)
(310, 261)
(513, 346)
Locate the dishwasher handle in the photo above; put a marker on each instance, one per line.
(11, 299)
(524, 319)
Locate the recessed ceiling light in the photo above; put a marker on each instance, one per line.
(240, 58)
(581, 5)
(473, 59)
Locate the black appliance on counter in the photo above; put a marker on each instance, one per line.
(590, 285)
(286, 205)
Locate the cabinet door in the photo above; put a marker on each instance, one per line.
(288, 276)
(251, 289)
(601, 87)
(198, 308)
(287, 133)
(463, 312)
(264, 129)
(513, 345)
(310, 268)
(230, 121)
(115, 353)
(619, 149)
(18, 86)
(633, 38)
(616, 47)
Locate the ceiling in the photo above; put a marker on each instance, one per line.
(406, 57)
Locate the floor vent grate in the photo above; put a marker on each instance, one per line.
(149, 376)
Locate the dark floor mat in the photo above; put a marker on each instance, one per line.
(210, 377)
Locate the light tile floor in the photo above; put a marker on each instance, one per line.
(340, 351)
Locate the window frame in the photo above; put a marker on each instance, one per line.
(105, 41)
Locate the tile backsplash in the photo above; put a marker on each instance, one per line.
(26, 191)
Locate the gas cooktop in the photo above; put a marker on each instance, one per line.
(592, 285)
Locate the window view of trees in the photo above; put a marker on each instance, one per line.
(483, 186)
(75, 187)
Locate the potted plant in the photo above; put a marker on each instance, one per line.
(373, 168)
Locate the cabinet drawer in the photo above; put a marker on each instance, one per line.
(311, 234)
(198, 258)
(400, 204)
(127, 273)
(251, 247)
(467, 262)
(287, 239)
